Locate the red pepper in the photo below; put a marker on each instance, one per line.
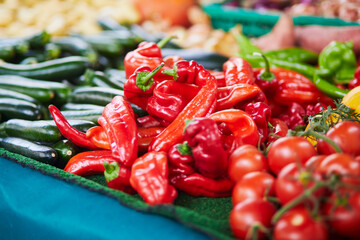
(210, 157)
(314, 109)
(118, 121)
(147, 54)
(219, 77)
(184, 71)
(294, 116)
(229, 96)
(169, 99)
(118, 177)
(88, 163)
(69, 132)
(98, 137)
(278, 129)
(201, 105)
(261, 114)
(140, 85)
(181, 160)
(147, 121)
(146, 135)
(238, 70)
(242, 127)
(198, 185)
(149, 177)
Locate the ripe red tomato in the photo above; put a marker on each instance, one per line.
(346, 135)
(253, 185)
(247, 213)
(291, 183)
(280, 129)
(343, 164)
(345, 219)
(287, 150)
(297, 224)
(245, 159)
(313, 163)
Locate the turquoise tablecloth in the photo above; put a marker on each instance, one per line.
(37, 206)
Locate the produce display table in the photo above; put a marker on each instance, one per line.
(37, 206)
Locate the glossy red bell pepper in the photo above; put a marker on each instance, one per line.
(69, 132)
(240, 125)
(238, 70)
(88, 163)
(119, 124)
(149, 177)
(201, 105)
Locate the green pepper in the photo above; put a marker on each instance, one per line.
(296, 55)
(245, 45)
(337, 61)
(329, 89)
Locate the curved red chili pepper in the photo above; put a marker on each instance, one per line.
(238, 70)
(149, 177)
(201, 105)
(242, 126)
(98, 137)
(69, 132)
(229, 96)
(88, 163)
(198, 185)
(119, 123)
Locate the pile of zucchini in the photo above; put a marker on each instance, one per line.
(78, 74)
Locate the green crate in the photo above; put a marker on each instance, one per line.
(256, 23)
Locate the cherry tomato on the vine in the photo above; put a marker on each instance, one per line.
(245, 159)
(287, 150)
(247, 214)
(297, 224)
(254, 185)
(346, 135)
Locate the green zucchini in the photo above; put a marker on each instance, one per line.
(39, 40)
(88, 115)
(43, 91)
(16, 108)
(116, 75)
(54, 70)
(107, 23)
(138, 111)
(19, 46)
(4, 93)
(76, 46)
(30, 149)
(40, 131)
(95, 95)
(79, 107)
(99, 79)
(29, 60)
(105, 45)
(7, 52)
(65, 150)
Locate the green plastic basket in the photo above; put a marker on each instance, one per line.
(255, 23)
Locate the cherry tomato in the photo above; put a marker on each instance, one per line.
(245, 159)
(313, 163)
(254, 185)
(345, 219)
(248, 213)
(287, 150)
(280, 129)
(346, 135)
(292, 181)
(297, 224)
(342, 164)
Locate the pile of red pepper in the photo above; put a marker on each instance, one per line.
(198, 121)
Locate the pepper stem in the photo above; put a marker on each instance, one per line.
(184, 149)
(172, 72)
(265, 75)
(111, 170)
(164, 41)
(145, 80)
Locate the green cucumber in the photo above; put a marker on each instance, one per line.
(95, 95)
(16, 108)
(43, 91)
(30, 149)
(65, 150)
(79, 107)
(54, 70)
(99, 79)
